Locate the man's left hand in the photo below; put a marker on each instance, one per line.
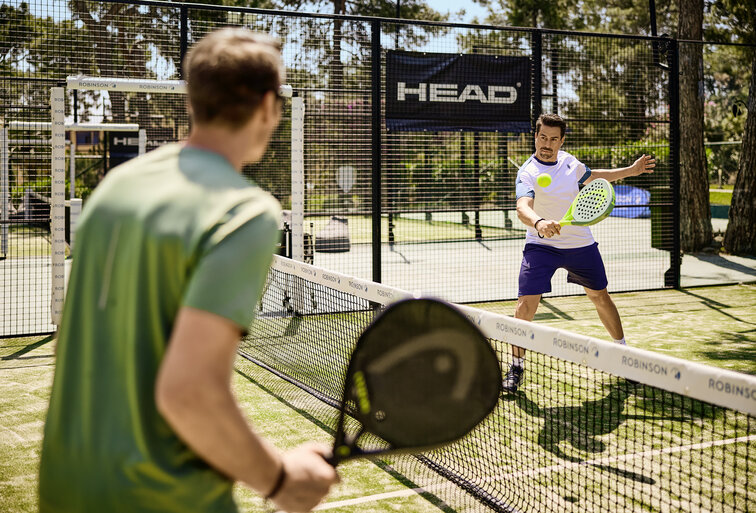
(645, 164)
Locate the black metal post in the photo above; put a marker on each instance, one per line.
(508, 181)
(376, 145)
(537, 76)
(459, 195)
(476, 184)
(554, 81)
(184, 31)
(672, 276)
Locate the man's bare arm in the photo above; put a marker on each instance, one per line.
(546, 227)
(193, 393)
(644, 164)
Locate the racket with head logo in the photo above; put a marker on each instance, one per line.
(594, 203)
(421, 376)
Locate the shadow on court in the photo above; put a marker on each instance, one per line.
(584, 426)
(729, 264)
(581, 425)
(22, 347)
(715, 305)
(732, 346)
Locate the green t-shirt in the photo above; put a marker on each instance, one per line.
(176, 227)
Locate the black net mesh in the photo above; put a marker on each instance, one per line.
(571, 438)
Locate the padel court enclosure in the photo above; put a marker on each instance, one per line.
(398, 174)
(394, 173)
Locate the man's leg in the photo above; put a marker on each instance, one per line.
(607, 312)
(526, 309)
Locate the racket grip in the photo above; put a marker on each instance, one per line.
(331, 459)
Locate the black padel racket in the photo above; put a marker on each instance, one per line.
(422, 375)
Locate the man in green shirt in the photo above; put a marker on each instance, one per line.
(172, 253)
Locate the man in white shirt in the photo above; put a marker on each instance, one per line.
(548, 245)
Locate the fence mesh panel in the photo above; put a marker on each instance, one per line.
(447, 216)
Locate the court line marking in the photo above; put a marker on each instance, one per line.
(628, 456)
(551, 468)
(407, 492)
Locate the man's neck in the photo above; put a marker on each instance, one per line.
(233, 145)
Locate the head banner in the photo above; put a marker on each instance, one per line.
(453, 92)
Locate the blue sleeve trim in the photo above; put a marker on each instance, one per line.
(585, 176)
(523, 189)
(522, 192)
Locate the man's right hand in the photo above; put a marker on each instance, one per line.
(308, 479)
(548, 228)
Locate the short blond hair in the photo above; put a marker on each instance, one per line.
(229, 72)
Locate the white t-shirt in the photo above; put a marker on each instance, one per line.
(551, 202)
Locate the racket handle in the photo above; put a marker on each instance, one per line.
(338, 456)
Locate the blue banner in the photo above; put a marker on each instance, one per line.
(453, 92)
(628, 195)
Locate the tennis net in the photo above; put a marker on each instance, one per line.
(595, 426)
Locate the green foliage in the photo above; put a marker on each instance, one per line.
(15, 32)
(727, 74)
(730, 20)
(618, 156)
(722, 162)
(612, 16)
(40, 185)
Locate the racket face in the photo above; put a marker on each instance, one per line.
(594, 203)
(422, 375)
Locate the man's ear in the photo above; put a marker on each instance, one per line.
(269, 106)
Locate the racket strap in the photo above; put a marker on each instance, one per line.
(279, 482)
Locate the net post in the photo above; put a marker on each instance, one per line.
(57, 204)
(375, 56)
(297, 178)
(75, 207)
(4, 189)
(142, 141)
(72, 161)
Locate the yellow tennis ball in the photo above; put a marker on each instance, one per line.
(544, 179)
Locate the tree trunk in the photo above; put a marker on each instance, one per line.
(740, 237)
(695, 214)
(337, 68)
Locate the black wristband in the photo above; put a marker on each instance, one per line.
(535, 226)
(279, 483)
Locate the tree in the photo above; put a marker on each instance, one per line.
(695, 218)
(740, 237)
(736, 23)
(15, 32)
(355, 36)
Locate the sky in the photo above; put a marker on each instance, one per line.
(471, 8)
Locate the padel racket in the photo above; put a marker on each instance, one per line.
(422, 375)
(594, 203)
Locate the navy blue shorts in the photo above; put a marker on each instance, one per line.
(539, 263)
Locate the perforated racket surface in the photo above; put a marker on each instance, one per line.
(421, 376)
(594, 203)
